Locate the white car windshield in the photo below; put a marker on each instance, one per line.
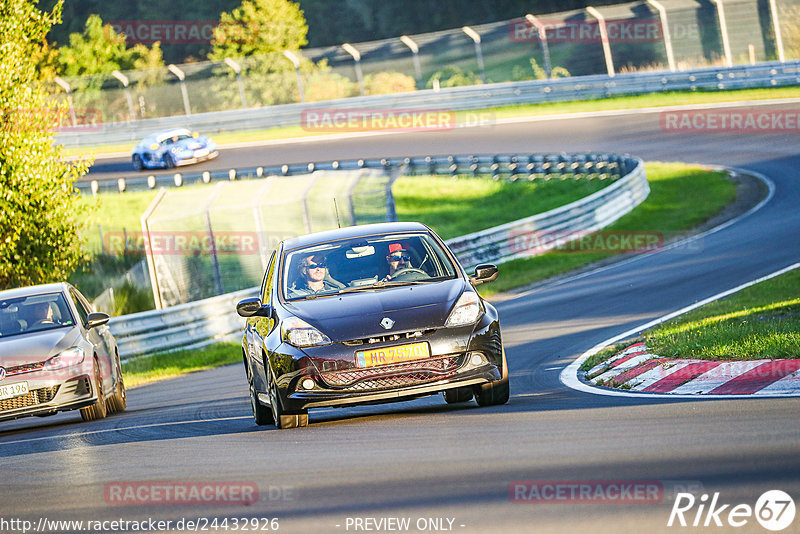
(364, 264)
(34, 313)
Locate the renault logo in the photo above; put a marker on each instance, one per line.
(387, 323)
(2, 373)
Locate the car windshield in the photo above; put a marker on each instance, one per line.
(34, 313)
(364, 264)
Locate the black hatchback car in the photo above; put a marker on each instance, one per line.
(369, 314)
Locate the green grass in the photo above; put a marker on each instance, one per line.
(455, 207)
(762, 321)
(681, 197)
(528, 110)
(171, 364)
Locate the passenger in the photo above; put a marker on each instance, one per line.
(314, 277)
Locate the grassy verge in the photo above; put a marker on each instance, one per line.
(172, 364)
(681, 197)
(760, 322)
(529, 110)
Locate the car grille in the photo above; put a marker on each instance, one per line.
(392, 376)
(388, 338)
(32, 398)
(26, 368)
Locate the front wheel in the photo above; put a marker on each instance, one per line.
(281, 418)
(168, 161)
(98, 409)
(261, 415)
(137, 162)
(494, 393)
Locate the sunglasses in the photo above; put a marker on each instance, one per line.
(322, 265)
(399, 258)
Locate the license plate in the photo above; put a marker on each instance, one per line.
(8, 391)
(390, 355)
(200, 153)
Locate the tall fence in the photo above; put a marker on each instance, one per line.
(649, 35)
(213, 319)
(206, 241)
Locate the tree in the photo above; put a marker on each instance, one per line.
(39, 212)
(100, 50)
(259, 27)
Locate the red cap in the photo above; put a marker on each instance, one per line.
(394, 247)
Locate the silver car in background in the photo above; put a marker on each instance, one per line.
(56, 354)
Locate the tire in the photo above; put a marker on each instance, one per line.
(137, 162)
(98, 409)
(169, 163)
(261, 415)
(457, 395)
(282, 419)
(119, 401)
(494, 393)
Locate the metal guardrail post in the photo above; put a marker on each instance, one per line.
(776, 26)
(476, 38)
(542, 41)
(406, 40)
(604, 38)
(151, 264)
(237, 69)
(184, 93)
(662, 14)
(296, 62)
(350, 49)
(723, 28)
(126, 84)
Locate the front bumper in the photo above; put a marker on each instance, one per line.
(189, 161)
(69, 389)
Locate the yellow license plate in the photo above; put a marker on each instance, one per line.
(390, 355)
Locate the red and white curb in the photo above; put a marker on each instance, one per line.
(765, 378)
(636, 369)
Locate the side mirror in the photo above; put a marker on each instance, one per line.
(252, 306)
(96, 319)
(485, 272)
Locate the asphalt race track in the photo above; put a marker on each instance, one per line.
(425, 460)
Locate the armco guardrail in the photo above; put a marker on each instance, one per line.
(515, 165)
(201, 322)
(768, 74)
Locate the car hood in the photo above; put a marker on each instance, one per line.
(191, 144)
(358, 315)
(37, 346)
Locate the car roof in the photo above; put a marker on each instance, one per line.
(34, 290)
(351, 232)
(160, 136)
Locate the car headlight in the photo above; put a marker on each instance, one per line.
(299, 333)
(64, 359)
(466, 311)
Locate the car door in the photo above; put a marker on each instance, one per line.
(100, 337)
(258, 328)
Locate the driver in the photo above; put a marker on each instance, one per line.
(39, 314)
(314, 276)
(398, 259)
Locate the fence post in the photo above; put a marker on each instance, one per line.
(181, 76)
(476, 38)
(350, 49)
(601, 21)
(213, 245)
(723, 28)
(415, 56)
(542, 41)
(148, 246)
(662, 14)
(776, 25)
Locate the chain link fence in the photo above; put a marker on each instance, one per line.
(206, 241)
(689, 33)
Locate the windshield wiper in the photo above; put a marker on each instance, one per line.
(381, 284)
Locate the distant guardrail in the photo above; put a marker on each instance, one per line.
(206, 321)
(767, 74)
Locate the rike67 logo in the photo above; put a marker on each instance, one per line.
(774, 510)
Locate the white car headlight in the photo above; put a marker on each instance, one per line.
(299, 333)
(67, 358)
(466, 311)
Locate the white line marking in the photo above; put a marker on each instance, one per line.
(569, 377)
(106, 430)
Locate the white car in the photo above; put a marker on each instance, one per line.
(171, 148)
